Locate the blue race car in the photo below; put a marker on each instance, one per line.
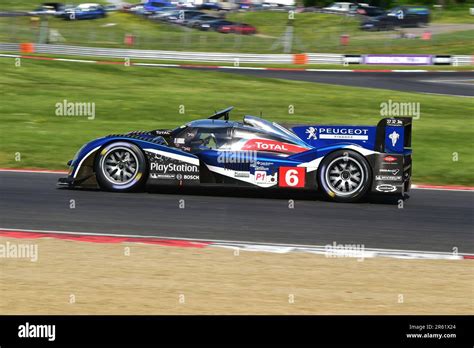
(345, 163)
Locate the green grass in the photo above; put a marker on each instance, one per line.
(130, 98)
(313, 33)
(453, 14)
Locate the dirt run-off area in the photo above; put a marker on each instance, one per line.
(71, 277)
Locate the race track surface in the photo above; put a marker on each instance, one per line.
(449, 83)
(429, 220)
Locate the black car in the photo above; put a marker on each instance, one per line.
(182, 16)
(195, 22)
(402, 16)
(214, 25)
(369, 11)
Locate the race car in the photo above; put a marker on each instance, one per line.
(343, 162)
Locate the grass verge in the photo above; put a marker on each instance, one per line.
(132, 98)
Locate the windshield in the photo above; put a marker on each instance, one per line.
(274, 128)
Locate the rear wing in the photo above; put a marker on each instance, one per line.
(393, 135)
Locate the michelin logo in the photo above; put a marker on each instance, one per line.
(394, 137)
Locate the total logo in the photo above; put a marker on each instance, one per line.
(272, 146)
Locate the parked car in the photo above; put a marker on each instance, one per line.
(237, 28)
(369, 11)
(49, 8)
(341, 7)
(182, 16)
(198, 20)
(214, 24)
(210, 6)
(153, 6)
(85, 11)
(163, 15)
(402, 16)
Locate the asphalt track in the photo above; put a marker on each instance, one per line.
(448, 83)
(429, 220)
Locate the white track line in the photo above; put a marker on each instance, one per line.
(275, 247)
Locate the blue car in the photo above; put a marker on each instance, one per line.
(343, 162)
(154, 6)
(85, 11)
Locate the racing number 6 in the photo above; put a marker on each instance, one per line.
(292, 177)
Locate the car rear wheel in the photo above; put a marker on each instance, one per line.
(121, 167)
(344, 176)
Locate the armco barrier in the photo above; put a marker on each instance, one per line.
(234, 58)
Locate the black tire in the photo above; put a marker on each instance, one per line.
(355, 180)
(131, 170)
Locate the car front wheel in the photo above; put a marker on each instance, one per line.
(120, 167)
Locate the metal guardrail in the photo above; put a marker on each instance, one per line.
(462, 60)
(177, 55)
(234, 58)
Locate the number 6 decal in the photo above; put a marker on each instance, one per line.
(292, 176)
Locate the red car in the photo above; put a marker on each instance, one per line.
(237, 28)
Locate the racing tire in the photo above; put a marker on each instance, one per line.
(120, 167)
(344, 176)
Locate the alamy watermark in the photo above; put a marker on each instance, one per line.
(345, 250)
(67, 108)
(392, 108)
(19, 251)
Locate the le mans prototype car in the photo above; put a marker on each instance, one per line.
(345, 163)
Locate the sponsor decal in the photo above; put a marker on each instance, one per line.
(389, 159)
(292, 177)
(311, 131)
(388, 178)
(393, 121)
(179, 140)
(241, 174)
(391, 171)
(272, 146)
(162, 176)
(386, 188)
(260, 165)
(394, 59)
(343, 133)
(262, 177)
(173, 167)
(166, 168)
(394, 136)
